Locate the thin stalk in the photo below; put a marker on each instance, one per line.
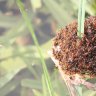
(81, 18)
(80, 33)
(29, 25)
(45, 93)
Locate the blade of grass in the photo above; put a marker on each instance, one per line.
(9, 87)
(45, 93)
(81, 18)
(29, 25)
(4, 80)
(88, 6)
(32, 84)
(80, 33)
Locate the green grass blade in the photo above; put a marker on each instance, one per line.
(4, 80)
(81, 18)
(29, 25)
(9, 87)
(32, 84)
(45, 93)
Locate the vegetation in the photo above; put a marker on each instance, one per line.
(25, 67)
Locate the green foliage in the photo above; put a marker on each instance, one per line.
(20, 65)
(29, 25)
(9, 87)
(81, 18)
(59, 12)
(33, 84)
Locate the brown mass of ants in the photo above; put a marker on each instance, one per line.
(77, 55)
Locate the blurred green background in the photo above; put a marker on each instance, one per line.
(21, 72)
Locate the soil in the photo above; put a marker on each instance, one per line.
(77, 55)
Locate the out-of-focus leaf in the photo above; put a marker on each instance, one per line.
(4, 80)
(19, 54)
(88, 7)
(37, 93)
(10, 3)
(12, 65)
(46, 47)
(12, 33)
(24, 91)
(16, 60)
(89, 93)
(58, 12)
(33, 84)
(30, 67)
(92, 3)
(36, 4)
(8, 21)
(8, 87)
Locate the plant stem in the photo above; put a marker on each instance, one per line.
(81, 18)
(29, 25)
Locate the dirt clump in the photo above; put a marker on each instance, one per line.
(77, 55)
